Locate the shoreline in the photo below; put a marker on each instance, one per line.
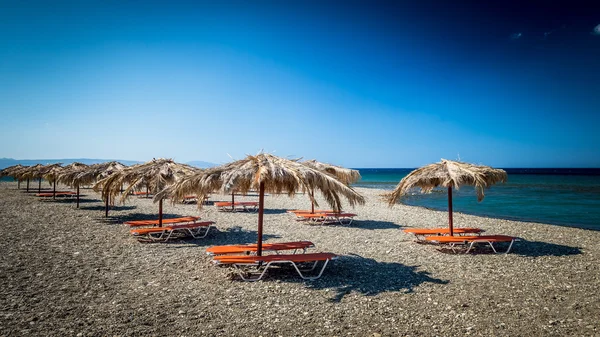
(70, 271)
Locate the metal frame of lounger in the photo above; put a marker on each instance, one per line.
(481, 239)
(259, 265)
(168, 221)
(190, 229)
(420, 237)
(276, 247)
(322, 219)
(245, 206)
(66, 195)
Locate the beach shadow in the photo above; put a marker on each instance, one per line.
(354, 273)
(366, 224)
(216, 237)
(71, 200)
(274, 211)
(522, 247)
(110, 209)
(149, 216)
(237, 236)
(538, 249)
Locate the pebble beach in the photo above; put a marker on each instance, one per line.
(73, 272)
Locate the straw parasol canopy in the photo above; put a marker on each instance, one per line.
(8, 171)
(68, 175)
(154, 175)
(345, 175)
(449, 174)
(50, 173)
(11, 172)
(92, 173)
(266, 173)
(18, 174)
(29, 173)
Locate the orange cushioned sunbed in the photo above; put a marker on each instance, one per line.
(472, 240)
(421, 233)
(249, 206)
(58, 194)
(323, 218)
(182, 220)
(247, 249)
(262, 263)
(192, 198)
(197, 230)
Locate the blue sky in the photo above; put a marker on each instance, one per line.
(353, 83)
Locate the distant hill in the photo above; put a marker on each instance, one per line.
(201, 164)
(6, 162)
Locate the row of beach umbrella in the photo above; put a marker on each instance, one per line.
(263, 172)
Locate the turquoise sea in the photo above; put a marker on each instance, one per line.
(566, 197)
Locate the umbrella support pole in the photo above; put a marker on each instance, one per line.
(54, 191)
(77, 195)
(261, 209)
(450, 224)
(232, 201)
(27, 184)
(106, 210)
(160, 211)
(312, 201)
(40, 185)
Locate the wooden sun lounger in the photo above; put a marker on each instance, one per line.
(197, 230)
(323, 218)
(248, 206)
(470, 241)
(182, 220)
(421, 233)
(262, 263)
(63, 194)
(252, 248)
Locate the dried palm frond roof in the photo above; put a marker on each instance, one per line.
(92, 173)
(8, 171)
(70, 172)
(30, 172)
(279, 175)
(155, 175)
(19, 173)
(49, 172)
(448, 173)
(345, 175)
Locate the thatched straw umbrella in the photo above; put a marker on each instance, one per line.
(7, 171)
(50, 173)
(154, 175)
(345, 175)
(448, 174)
(97, 172)
(263, 172)
(69, 174)
(29, 173)
(10, 171)
(17, 173)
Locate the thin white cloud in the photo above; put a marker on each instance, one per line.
(515, 36)
(596, 30)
